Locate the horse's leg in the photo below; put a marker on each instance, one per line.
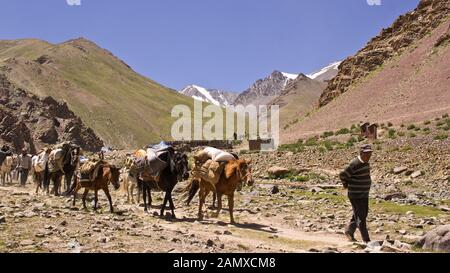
(172, 207)
(149, 194)
(166, 198)
(129, 189)
(219, 204)
(86, 191)
(75, 191)
(67, 181)
(139, 188)
(201, 197)
(131, 193)
(231, 206)
(215, 196)
(95, 198)
(144, 195)
(106, 190)
(37, 183)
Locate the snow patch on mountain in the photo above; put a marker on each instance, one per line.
(325, 73)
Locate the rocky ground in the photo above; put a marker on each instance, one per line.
(305, 212)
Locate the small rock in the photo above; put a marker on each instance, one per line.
(226, 232)
(63, 223)
(275, 190)
(29, 214)
(2, 219)
(103, 240)
(416, 174)
(316, 189)
(387, 247)
(26, 243)
(210, 243)
(399, 170)
(402, 232)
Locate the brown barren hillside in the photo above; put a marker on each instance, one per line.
(411, 86)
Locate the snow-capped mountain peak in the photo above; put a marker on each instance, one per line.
(213, 96)
(326, 73)
(290, 76)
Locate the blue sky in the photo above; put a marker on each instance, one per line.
(225, 44)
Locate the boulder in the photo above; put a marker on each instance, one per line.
(437, 239)
(278, 171)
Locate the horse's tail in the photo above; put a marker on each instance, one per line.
(191, 190)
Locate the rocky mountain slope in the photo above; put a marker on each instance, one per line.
(297, 98)
(213, 96)
(123, 107)
(402, 76)
(265, 90)
(391, 42)
(27, 121)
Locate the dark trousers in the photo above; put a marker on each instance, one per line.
(23, 176)
(360, 211)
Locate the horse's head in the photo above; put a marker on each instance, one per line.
(114, 176)
(245, 172)
(136, 166)
(181, 166)
(74, 155)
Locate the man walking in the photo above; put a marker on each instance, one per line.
(356, 178)
(24, 167)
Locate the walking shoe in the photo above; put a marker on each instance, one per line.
(350, 237)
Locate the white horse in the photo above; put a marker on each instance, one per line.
(129, 183)
(5, 170)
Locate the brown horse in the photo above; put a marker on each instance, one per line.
(235, 172)
(107, 173)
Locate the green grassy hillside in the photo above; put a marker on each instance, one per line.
(123, 107)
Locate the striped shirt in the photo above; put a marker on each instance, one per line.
(357, 178)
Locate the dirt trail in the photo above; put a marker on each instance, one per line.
(251, 234)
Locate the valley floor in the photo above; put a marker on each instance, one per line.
(308, 214)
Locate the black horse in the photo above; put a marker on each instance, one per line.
(70, 168)
(176, 170)
(70, 156)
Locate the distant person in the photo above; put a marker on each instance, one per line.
(24, 167)
(235, 136)
(356, 178)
